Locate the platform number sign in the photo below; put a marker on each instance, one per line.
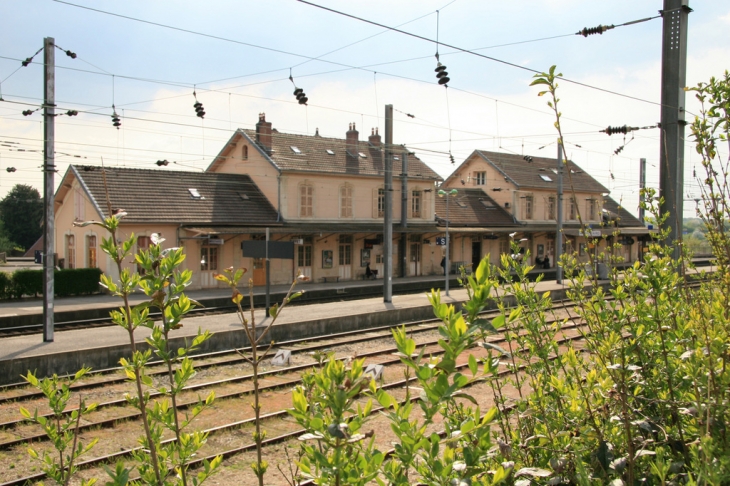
(441, 241)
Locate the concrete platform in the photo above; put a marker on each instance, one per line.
(102, 347)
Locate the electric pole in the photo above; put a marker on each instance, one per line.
(671, 140)
(559, 218)
(49, 167)
(404, 215)
(388, 209)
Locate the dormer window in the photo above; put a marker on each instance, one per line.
(295, 149)
(195, 194)
(331, 152)
(362, 155)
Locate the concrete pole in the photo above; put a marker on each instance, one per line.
(404, 215)
(559, 216)
(642, 186)
(447, 264)
(671, 140)
(388, 219)
(49, 167)
(268, 275)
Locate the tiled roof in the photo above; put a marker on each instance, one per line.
(625, 218)
(157, 196)
(313, 156)
(527, 173)
(473, 207)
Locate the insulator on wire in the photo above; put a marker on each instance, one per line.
(442, 74)
(451, 157)
(624, 129)
(115, 119)
(72, 112)
(618, 150)
(527, 158)
(300, 95)
(27, 112)
(594, 30)
(27, 61)
(11, 169)
(199, 111)
(70, 54)
(160, 163)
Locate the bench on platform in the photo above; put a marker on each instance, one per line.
(335, 278)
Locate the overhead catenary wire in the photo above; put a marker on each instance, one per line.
(395, 29)
(468, 51)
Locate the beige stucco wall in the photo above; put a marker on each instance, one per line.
(513, 199)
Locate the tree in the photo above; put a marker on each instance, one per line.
(21, 212)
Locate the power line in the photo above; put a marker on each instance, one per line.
(467, 51)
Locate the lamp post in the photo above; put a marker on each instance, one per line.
(446, 194)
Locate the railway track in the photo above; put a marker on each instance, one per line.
(273, 381)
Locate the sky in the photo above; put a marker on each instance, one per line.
(151, 60)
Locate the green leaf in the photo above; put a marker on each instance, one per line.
(473, 365)
(488, 345)
(535, 472)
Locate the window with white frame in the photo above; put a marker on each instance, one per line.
(304, 256)
(573, 213)
(527, 208)
(70, 251)
(91, 251)
(416, 203)
(345, 253)
(504, 246)
(306, 200)
(346, 201)
(550, 208)
(591, 209)
(480, 178)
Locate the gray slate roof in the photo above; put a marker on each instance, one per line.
(473, 207)
(314, 156)
(526, 174)
(163, 196)
(625, 219)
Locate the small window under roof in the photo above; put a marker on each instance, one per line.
(362, 155)
(395, 157)
(554, 170)
(195, 194)
(545, 177)
(331, 152)
(295, 149)
(244, 196)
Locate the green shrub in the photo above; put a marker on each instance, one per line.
(76, 281)
(27, 282)
(6, 285)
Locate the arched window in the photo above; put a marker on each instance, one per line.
(244, 152)
(70, 251)
(91, 251)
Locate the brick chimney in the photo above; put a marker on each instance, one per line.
(374, 138)
(351, 139)
(263, 133)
